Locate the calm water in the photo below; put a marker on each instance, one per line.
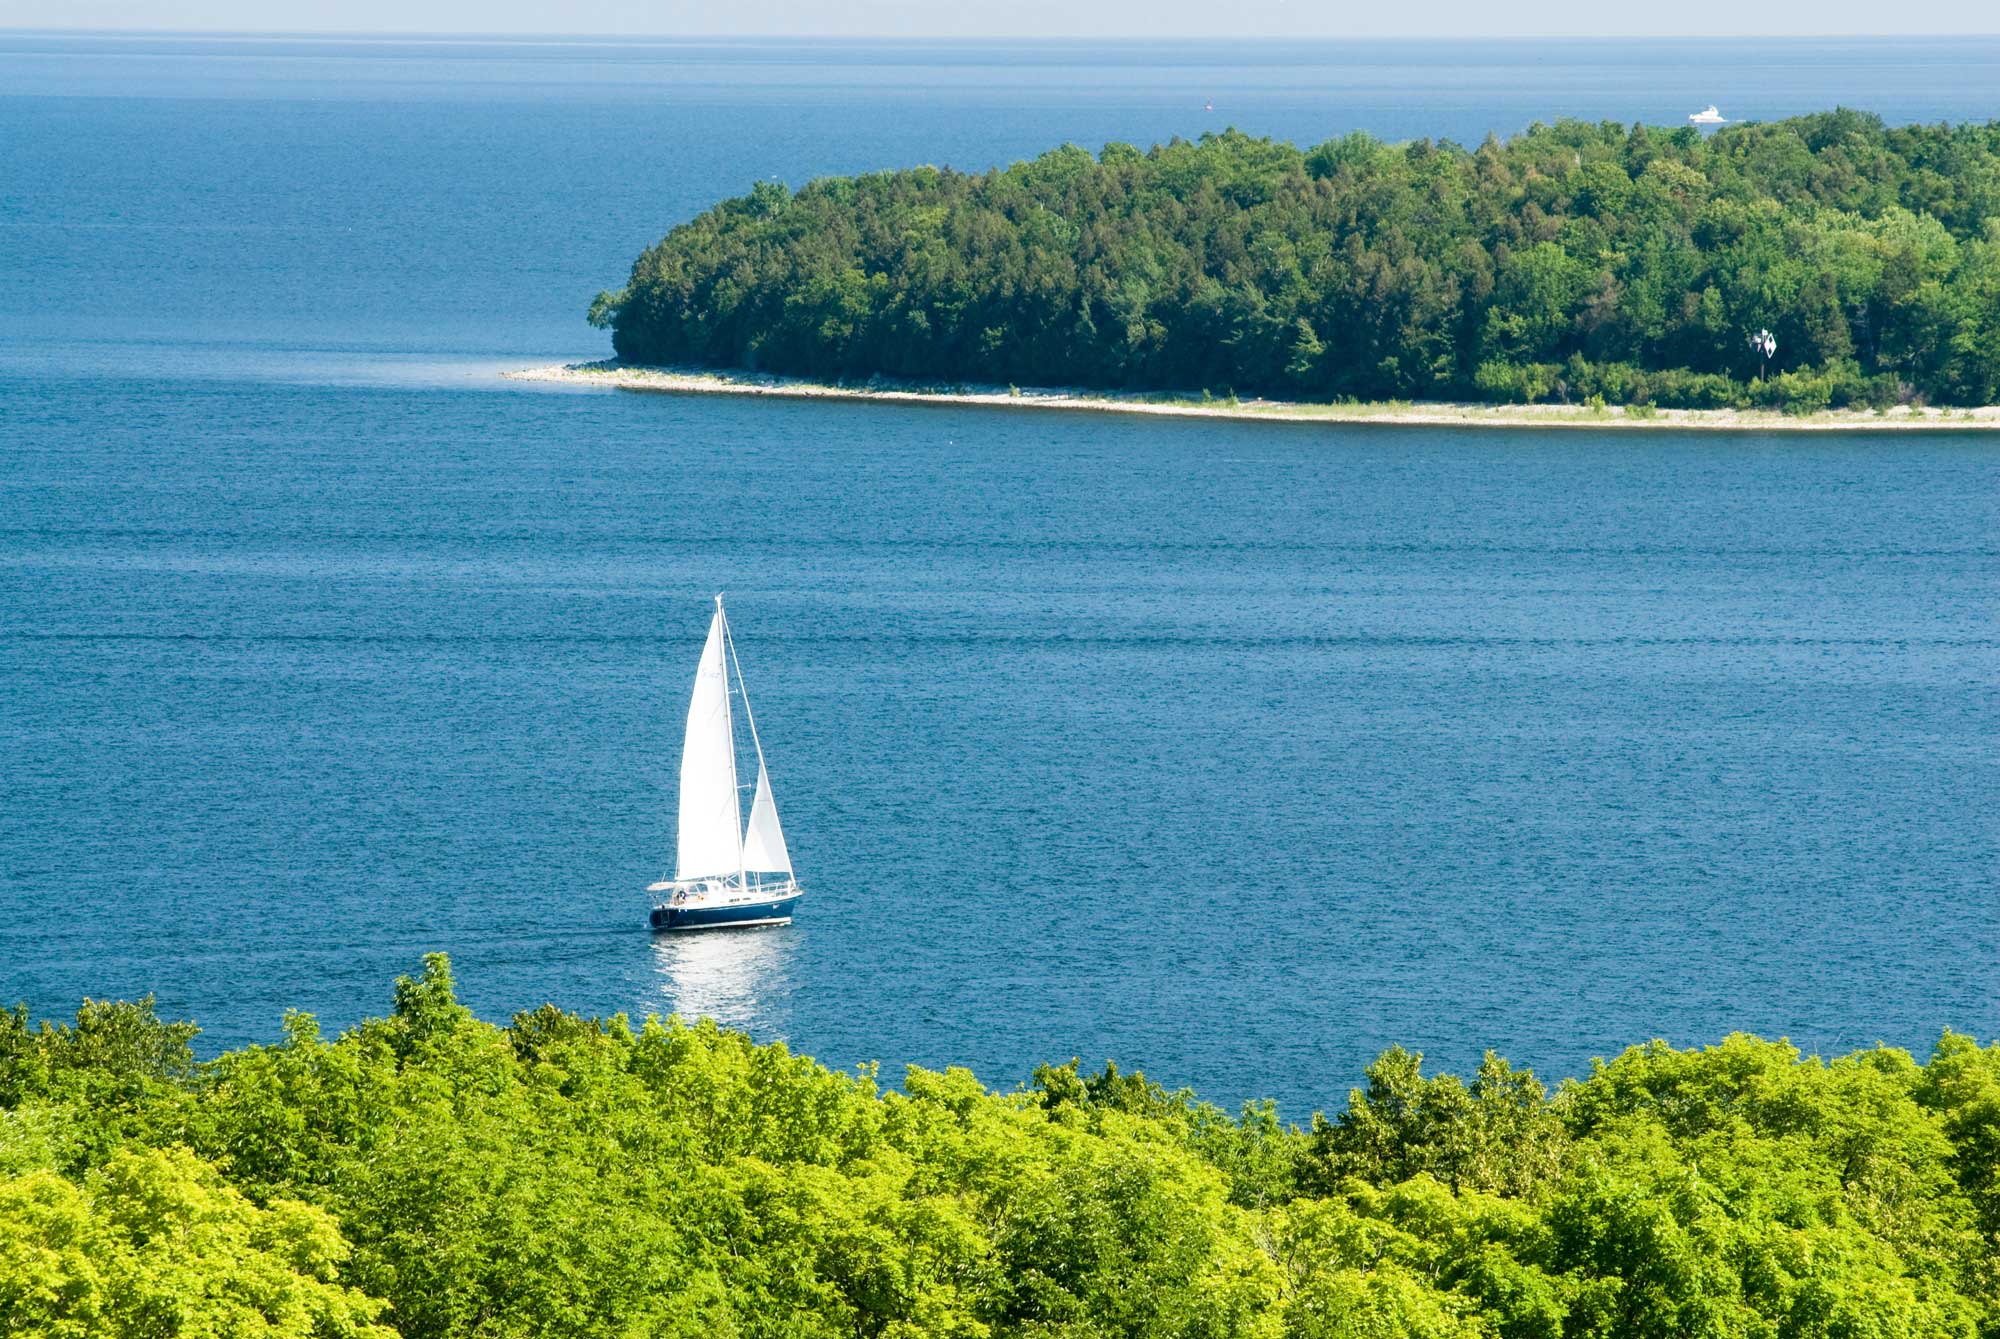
(1236, 752)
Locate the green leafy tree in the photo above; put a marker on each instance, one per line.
(156, 1243)
(431, 1174)
(1629, 257)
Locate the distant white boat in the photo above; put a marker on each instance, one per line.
(725, 873)
(1708, 116)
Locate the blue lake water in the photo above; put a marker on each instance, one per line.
(1235, 752)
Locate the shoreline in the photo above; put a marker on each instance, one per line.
(680, 381)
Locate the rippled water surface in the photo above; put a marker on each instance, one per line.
(1236, 752)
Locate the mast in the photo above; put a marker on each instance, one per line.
(729, 731)
(763, 799)
(709, 803)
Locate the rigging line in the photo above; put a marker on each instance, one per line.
(743, 689)
(729, 731)
(729, 640)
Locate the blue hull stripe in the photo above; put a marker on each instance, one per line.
(716, 918)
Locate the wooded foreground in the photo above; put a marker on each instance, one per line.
(428, 1174)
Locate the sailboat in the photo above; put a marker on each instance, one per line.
(726, 873)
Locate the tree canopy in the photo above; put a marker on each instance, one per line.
(429, 1174)
(1574, 260)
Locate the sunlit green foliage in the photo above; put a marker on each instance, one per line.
(155, 1242)
(1573, 261)
(440, 1176)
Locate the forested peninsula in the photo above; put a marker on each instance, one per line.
(1576, 263)
(428, 1174)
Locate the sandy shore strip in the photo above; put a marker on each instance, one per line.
(674, 381)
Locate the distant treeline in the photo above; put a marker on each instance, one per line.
(428, 1174)
(1574, 261)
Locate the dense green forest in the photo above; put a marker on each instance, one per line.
(1573, 261)
(428, 1174)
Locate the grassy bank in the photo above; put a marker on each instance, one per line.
(690, 381)
(429, 1174)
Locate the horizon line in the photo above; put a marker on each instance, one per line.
(599, 37)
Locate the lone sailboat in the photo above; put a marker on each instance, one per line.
(725, 873)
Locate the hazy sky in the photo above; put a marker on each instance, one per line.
(1021, 18)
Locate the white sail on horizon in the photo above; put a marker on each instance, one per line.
(764, 841)
(711, 814)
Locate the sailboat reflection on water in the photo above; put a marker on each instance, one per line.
(725, 874)
(745, 981)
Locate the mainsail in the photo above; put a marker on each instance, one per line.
(711, 838)
(764, 844)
